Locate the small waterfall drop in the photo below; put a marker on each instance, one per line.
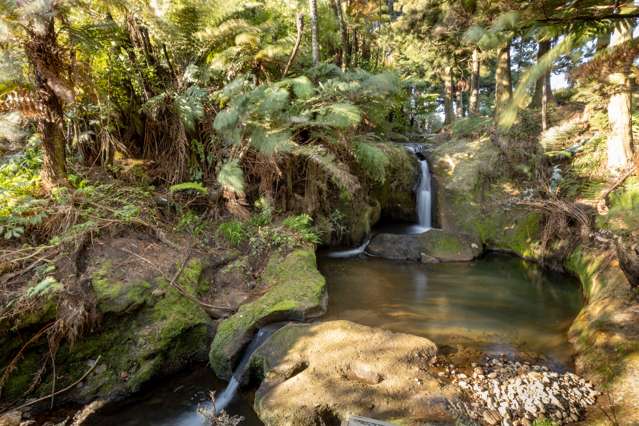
(222, 401)
(423, 196)
(342, 254)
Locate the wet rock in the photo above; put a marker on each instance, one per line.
(434, 245)
(297, 291)
(334, 352)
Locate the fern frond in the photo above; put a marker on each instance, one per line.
(337, 171)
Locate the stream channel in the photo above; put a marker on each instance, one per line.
(499, 304)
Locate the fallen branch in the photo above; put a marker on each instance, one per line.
(602, 207)
(51, 395)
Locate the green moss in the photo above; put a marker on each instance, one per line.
(165, 333)
(115, 296)
(296, 291)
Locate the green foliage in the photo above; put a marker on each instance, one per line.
(303, 225)
(190, 222)
(21, 207)
(473, 126)
(372, 159)
(233, 231)
(189, 186)
(231, 177)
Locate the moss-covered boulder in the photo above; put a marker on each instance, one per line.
(434, 245)
(389, 195)
(606, 334)
(472, 197)
(323, 373)
(142, 328)
(296, 291)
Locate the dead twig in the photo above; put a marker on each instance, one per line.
(71, 386)
(602, 207)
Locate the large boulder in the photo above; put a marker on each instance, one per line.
(473, 197)
(434, 245)
(324, 373)
(296, 291)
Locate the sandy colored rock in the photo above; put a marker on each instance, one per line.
(329, 371)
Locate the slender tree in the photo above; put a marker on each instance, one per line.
(314, 32)
(449, 115)
(343, 33)
(543, 83)
(473, 106)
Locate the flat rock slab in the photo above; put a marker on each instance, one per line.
(434, 245)
(328, 372)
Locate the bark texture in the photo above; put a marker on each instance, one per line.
(473, 104)
(503, 81)
(314, 32)
(620, 108)
(448, 95)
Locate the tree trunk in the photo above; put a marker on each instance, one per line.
(298, 40)
(459, 104)
(448, 95)
(391, 9)
(354, 49)
(314, 32)
(620, 108)
(474, 83)
(44, 55)
(503, 81)
(544, 104)
(343, 32)
(544, 81)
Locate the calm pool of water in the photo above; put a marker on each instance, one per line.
(499, 302)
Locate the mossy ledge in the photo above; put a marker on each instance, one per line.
(296, 291)
(146, 329)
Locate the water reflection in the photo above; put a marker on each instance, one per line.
(495, 302)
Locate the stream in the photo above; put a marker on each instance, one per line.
(498, 304)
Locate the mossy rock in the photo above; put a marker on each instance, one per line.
(434, 245)
(147, 329)
(605, 334)
(296, 291)
(472, 198)
(395, 193)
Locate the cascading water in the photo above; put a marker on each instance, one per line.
(423, 196)
(222, 401)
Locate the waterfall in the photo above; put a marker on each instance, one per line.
(423, 196)
(340, 254)
(222, 401)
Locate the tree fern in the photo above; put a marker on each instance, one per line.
(372, 159)
(231, 177)
(342, 115)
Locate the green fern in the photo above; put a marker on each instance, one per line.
(231, 177)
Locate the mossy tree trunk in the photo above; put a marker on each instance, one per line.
(473, 105)
(503, 81)
(620, 107)
(448, 95)
(314, 32)
(44, 55)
